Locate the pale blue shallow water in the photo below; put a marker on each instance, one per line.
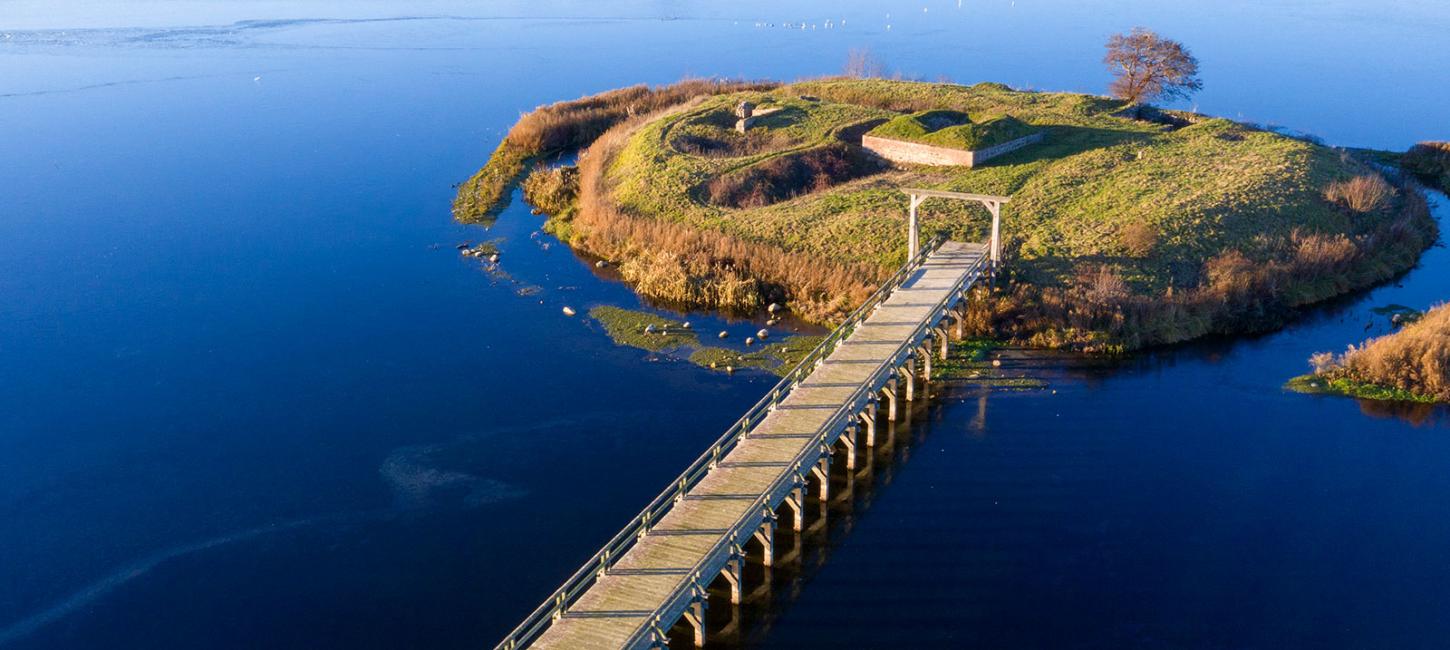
(250, 395)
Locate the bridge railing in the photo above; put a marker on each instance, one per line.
(559, 602)
(743, 529)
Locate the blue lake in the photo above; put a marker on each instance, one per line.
(250, 394)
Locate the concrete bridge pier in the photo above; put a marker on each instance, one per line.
(822, 472)
(908, 372)
(848, 439)
(797, 506)
(732, 573)
(695, 616)
(925, 352)
(766, 535)
(889, 390)
(868, 418)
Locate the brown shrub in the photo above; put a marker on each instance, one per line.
(1322, 253)
(1102, 284)
(1139, 238)
(1416, 358)
(1363, 194)
(553, 191)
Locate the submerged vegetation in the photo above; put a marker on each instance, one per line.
(649, 331)
(1122, 232)
(1412, 364)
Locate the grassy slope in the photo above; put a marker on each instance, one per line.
(1203, 186)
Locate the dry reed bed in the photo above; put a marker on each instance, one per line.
(1415, 359)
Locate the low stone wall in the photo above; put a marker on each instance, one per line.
(916, 153)
(745, 123)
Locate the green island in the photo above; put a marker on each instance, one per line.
(650, 331)
(1126, 228)
(1411, 364)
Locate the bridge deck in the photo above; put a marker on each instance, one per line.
(641, 583)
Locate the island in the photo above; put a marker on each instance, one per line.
(1128, 226)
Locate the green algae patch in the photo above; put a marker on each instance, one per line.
(778, 357)
(970, 362)
(1317, 385)
(650, 331)
(644, 330)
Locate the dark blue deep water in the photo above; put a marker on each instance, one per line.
(250, 395)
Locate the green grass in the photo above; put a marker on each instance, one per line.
(1316, 385)
(960, 132)
(1203, 187)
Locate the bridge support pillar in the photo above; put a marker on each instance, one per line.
(766, 535)
(926, 362)
(945, 341)
(797, 508)
(695, 616)
(822, 471)
(732, 574)
(868, 417)
(890, 391)
(909, 373)
(849, 440)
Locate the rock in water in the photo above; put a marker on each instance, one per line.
(724, 334)
(686, 325)
(568, 311)
(601, 264)
(493, 258)
(749, 341)
(773, 308)
(996, 363)
(649, 329)
(762, 334)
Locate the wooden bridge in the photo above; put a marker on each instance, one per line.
(657, 571)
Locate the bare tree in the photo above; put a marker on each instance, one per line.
(862, 64)
(1147, 66)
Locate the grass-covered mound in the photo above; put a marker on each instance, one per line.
(1412, 364)
(953, 129)
(1121, 232)
(569, 125)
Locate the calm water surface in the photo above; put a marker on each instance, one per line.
(251, 396)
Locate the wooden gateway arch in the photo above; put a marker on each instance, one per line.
(993, 203)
